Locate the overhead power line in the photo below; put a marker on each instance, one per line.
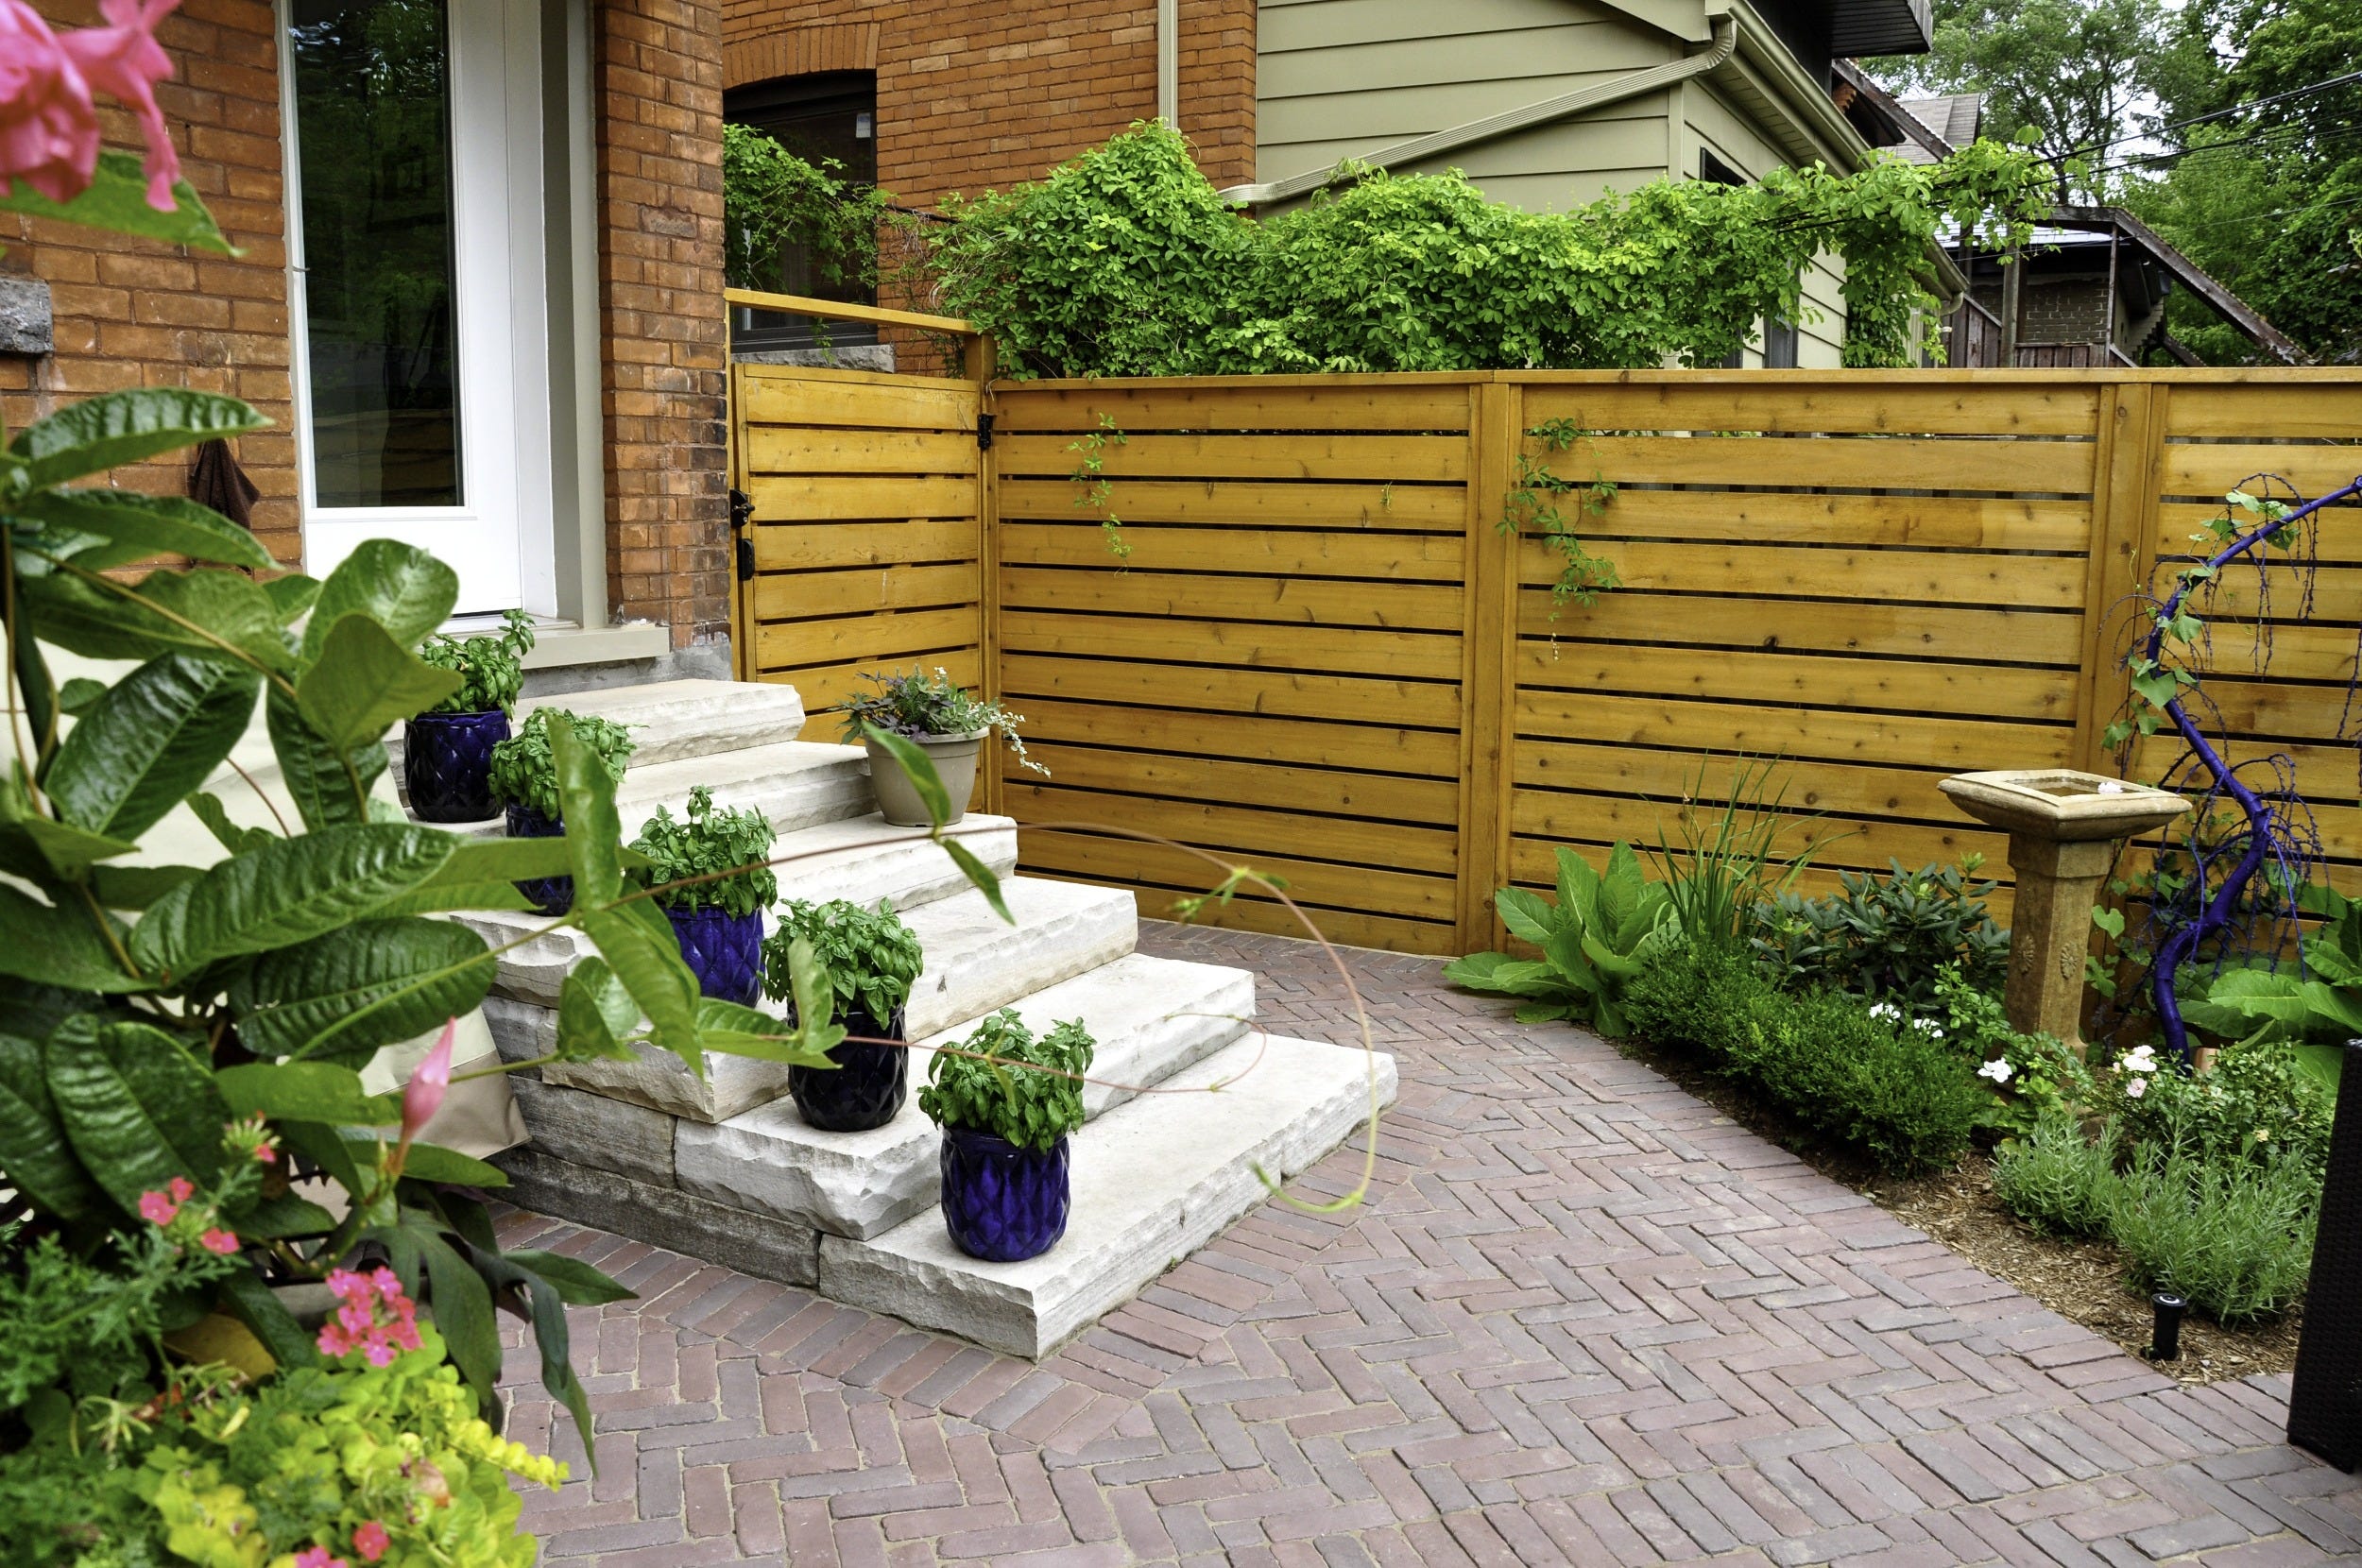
(2349, 78)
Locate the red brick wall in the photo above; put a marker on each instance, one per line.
(133, 313)
(982, 93)
(658, 95)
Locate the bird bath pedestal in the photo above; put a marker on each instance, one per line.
(2063, 826)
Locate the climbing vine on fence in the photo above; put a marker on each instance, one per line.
(1534, 506)
(1126, 262)
(1090, 477)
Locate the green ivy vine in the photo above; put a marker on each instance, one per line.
(1090, 477)
(1534, 505)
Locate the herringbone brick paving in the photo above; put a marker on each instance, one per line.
(1580, 1318)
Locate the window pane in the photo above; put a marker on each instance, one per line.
(372, 88)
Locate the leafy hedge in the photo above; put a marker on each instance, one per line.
(1126, 262)
(1907, 1101)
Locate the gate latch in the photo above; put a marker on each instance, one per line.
(984, 433)
(742, 513)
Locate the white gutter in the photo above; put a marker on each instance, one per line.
(1581, 101)
(1169, 62)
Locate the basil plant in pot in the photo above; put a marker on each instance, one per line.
(1006, 1120)
(943, 720)
(872, 961)
(524, 779)
(710, 882)
(447, 750)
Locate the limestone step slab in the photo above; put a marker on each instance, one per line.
(863, 858)
(797, 784)
(976, 962)
(671, 720)
(1153, 1180)
(1153, 1018)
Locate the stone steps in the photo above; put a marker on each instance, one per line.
(1153, 1180)
(1152, 1016)
(672, 720)
(864, 859)
(976, 962)
(797, 784)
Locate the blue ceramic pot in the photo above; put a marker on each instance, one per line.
(724, 952)
(1001, 1203)
(446, 764)
(550, 894)
(866, 1087)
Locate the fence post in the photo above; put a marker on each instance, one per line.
(742, 586)
(2125, 474)
(975, 364)
(1488, 691)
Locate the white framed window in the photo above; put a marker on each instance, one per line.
(418, 289)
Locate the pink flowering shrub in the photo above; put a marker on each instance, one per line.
(49, 123)
(376, 1318)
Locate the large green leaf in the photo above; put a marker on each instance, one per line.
(353, 990)
(137, 1106)
(327, 1147)
(117, 200)
(286, 892)
(138, 526)
(272, 1323)
(39, 847)
(208, 809)
(330, 788)
(638, 944)
(401, 586)
(36, 1158)
(304, 1091)
(595, 835)
(1578, 889)
(577, 1282)
(210, 613)
(462, 1307)
(59, 947)
(364, 681)
(1528, 916)
(429, 1162)
(115, 428)
(291, 594)
(156, 736)
(594, 1013)
(135, 887)
(735, 1031)
(1502, 975)
(483, 874)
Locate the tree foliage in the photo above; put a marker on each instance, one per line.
(1126, 262)
(773, 200)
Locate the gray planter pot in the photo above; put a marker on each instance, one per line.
(954, 757)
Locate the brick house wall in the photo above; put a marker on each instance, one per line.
(132, 313)
(975, 95)
(664, 354)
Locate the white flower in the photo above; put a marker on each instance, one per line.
(2110, 787)
(1885, 1010)
(1999, 1069)
(2138, 1087)
(2143, 1059)
(1928, 1027)
(2261, 1136)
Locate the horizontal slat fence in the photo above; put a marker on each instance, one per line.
(1275, 673)
(867, 529)
(1322, 656)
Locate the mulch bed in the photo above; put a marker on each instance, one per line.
(2080, 1280)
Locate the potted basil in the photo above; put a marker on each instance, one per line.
(1004, 1134)
(447, 750)
(524, 779)
(717, 919)
(872, 961)
(946, 722)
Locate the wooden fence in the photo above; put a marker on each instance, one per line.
(1322, 656)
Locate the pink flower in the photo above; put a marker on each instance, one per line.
(316, 1557)
(358, 1324)
(154, 1207)
(424, 1096)
(48, 129)
(218, 1240)
(369, 1541)
(182, 1190)
(122, 59)
(266, 1153)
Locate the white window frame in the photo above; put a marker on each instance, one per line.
(500, 537)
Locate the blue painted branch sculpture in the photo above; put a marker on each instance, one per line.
(2276, 827)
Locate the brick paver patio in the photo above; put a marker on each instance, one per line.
(1581, 1319)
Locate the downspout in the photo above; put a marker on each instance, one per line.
(1583, 101)
(1169, 62)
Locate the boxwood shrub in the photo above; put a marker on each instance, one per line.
(1905, 1102)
